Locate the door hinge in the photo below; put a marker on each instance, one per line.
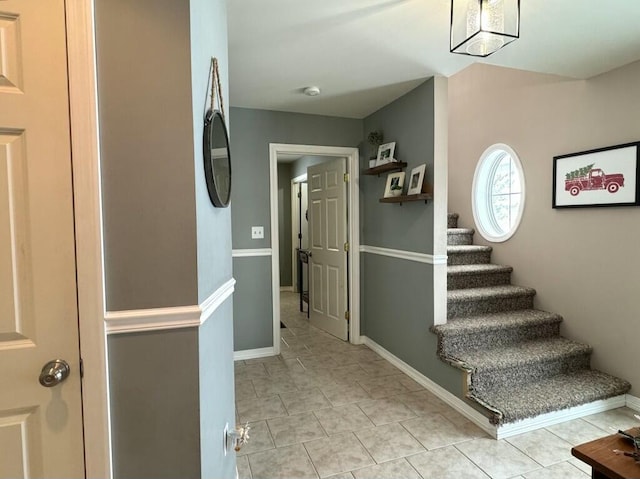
(299, 195)
(81, 368)
(347, 315)
(346, 177)
(346, 246)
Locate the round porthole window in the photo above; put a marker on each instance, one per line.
(498, 193)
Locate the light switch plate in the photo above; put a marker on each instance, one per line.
(257, 232)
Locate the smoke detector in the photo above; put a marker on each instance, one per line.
(311, 91)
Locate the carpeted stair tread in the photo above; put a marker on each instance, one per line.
(464, 276)
(460, 231)
(524, 354)
(471, 269)
(490, 292)
(468, 254)
(550, 394)
(459, 236)
(518, 365)
(468, 248)
(495, 322)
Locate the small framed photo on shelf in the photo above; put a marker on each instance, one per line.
(416, 180)
(395, 183)
(385, 153)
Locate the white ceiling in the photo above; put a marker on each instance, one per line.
(364, 54)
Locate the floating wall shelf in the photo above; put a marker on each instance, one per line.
(404, 198)
(386, 168)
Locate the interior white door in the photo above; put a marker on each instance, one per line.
(40, 427)
(327, 237)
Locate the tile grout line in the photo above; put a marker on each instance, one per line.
(472, 462)
(304, 447)
(321, 349)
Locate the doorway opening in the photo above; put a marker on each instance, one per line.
(320, 154)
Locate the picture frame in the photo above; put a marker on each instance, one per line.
(416, 180)
(385, 153)
(602, 177)
(394, 179)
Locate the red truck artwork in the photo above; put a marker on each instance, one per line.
(590, 178)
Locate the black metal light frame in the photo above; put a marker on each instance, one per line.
(510, 37)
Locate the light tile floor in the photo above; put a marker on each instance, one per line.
(326, 408)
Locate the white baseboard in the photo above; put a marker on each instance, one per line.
(288, 289)
(557, 417)
(452, 400)
(633, 402)
(253, 353)
(511, 429)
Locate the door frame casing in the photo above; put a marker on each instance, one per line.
(353, 195)
(85, 154)
(295, 226)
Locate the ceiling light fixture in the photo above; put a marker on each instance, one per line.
(482, 27)
(311, 91)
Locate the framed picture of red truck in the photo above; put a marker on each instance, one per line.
(603, 177)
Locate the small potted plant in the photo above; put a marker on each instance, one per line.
(396, 190)
(375, 139)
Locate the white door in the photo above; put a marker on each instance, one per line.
(40, 427)
(327, 238)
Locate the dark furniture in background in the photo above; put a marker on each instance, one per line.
(303, 259)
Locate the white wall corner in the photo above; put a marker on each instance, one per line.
(633, 402)
(440, 194)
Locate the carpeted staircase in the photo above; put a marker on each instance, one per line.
(518, 365)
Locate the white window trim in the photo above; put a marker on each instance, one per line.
(477, 216)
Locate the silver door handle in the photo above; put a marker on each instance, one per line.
(54, 372)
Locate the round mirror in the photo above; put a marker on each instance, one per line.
(217, 159)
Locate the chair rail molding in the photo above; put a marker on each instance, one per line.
(406, 255)
(158, 319)
(250, 253)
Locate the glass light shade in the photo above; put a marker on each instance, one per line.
(482, 27)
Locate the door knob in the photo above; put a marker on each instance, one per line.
(54, 372)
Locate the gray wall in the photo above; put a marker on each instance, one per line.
(409, 122)
(146, 153)
(165, 245)
(217, 406)
(215, 339)
(542, 116)
(251, 134)
(284, 223)
(209, 39)
(397, 299)
(252, 320)
(397, 303)
(155, 404)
